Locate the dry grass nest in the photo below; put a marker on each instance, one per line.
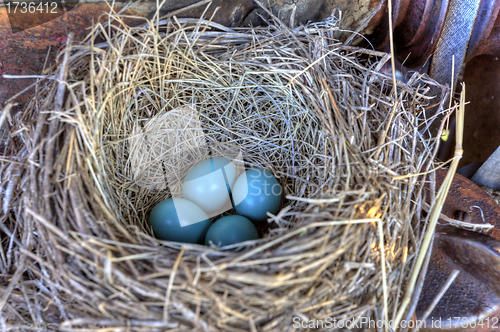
(77, 252)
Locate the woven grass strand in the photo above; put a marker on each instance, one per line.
(77, 253)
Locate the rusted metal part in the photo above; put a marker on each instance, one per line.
(485, 38)
(24, 52)
(475, 293)
(24, 45)
(418, 25)
(468, 202)
(417, 35)
(20, 21)
(482, 119)
(379, 24)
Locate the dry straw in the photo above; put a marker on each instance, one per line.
(76, 251)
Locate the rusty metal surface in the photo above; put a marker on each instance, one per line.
(475, 293)
(485, 37)
(417, 35)
(24, 52)
(482, 116)
(419, 24)
(467, 201)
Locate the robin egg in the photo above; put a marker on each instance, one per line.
(255, 193)
(179, 220)
(208, 184)
(231, 230)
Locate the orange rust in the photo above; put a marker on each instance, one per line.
(24, 52)
(468, 199)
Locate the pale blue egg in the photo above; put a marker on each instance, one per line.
(255, 193)
(208, 184)
(231, 230)
(179, 220)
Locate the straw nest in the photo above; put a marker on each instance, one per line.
(77, 252)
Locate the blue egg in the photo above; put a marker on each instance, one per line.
(179, 220)
(255, 193)
(230, 230)
(208, 184)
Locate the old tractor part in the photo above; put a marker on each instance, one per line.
(472, 302)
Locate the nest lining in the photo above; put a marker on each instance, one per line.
(77, 253)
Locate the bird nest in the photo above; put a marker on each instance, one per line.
(350, 153)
